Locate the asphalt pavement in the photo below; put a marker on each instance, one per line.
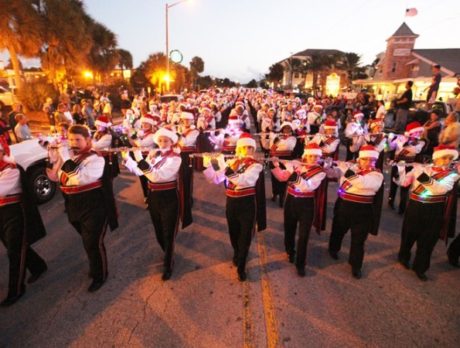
(204, 305)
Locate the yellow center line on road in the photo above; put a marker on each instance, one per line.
(248, 327)
(271, 325)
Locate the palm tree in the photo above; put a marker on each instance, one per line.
(196, 68)
(350, 63)
(20, 32)
(316, 63)
(275, 73)
(125, 59)
(67, 39)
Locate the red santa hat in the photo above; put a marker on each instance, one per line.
(245, 139)
(234, 120)
(287, 124)
(103, 121)
(414, 127)
(330, 124)
(150, 119)
(367, 151)
(358, 115)
(165, 132)
(187, 116)
(445, 150)
(312, 148)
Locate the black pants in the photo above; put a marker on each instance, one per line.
(351, 155)
(241, 213)
(403, 192)
(358, 218)
(454, 248)
(164, 212)
(298, 211)
(20, 255)
(422, 225)
(144, 185)
(87, 214)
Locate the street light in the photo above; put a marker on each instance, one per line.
(167, 7)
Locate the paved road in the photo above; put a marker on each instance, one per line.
(204, 305)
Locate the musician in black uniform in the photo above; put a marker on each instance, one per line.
(303, 178)
(358, 206)
(88, 196)
(425, 214)
(20, 226)
(241, 176)
(161, 168)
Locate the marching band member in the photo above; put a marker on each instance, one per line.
(206, 119)
(102, 140)
(188, 145)
(161, 168)
(303, 178)
(358, 205)
(243, 177)
(145, 139)
(425, 213)
(378, 139)
(20, 226)
(329, 141)
(282, 146)
(88, 197)
(408, 148)
(315, 118)
(354, 132)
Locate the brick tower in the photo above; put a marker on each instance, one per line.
(398, 54)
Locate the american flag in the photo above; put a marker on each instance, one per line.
(411, 12)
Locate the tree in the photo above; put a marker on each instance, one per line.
(67, 40)
(275, 73)
(318, 62)
(125, 59)
(103, 55)
(350, 62)
(196, 68)
(20, 32)
(252, 84)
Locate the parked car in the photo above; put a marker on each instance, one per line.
(32, 157)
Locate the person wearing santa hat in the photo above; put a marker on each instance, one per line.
(408, 148)
(89, 200)
(161, 168)
(377, 138)
(358, 206)
(303, 179)
(145, 139)
(425, 217)
(20, 226)
(328, 141)
(281, 146)
(314, 118)
(354, 131)
(102, 139)
(243, 178)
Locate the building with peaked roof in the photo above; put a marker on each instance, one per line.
(329, 80)
(402, 62)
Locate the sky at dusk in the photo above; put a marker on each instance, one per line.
(240, 39)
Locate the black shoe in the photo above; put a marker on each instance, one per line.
(357, 274)
(404, 263)
(301, 271)
(334, 254)
(10, 300)
(34, 277)
(242, 276)
(421, 276)
(391, 204)
(96, 285)
(453, 261)
(291, 257)
(274, 198)
(167, 273)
